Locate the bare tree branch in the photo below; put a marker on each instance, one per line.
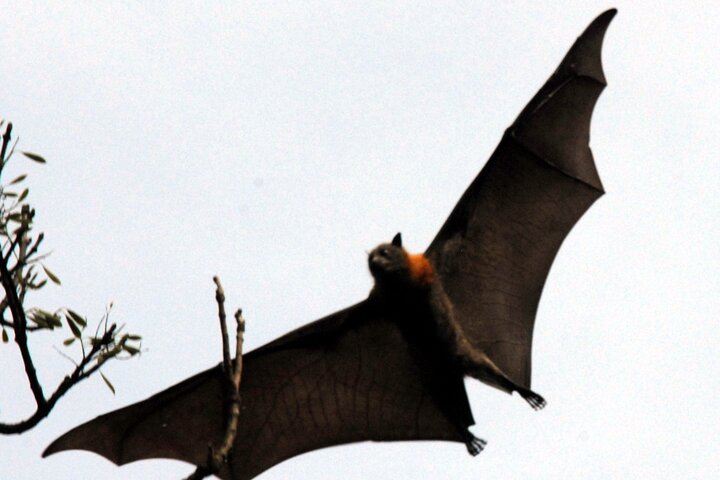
(234, 410)
(7, 323)
(220, 298)
(5, 143)
(233, 374)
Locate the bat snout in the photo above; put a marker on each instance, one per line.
(376, 263)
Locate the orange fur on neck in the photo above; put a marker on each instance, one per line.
(420, 269)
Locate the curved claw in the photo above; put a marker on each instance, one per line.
(475, 445)
(536, 401)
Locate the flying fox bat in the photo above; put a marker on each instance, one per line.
(391, 367)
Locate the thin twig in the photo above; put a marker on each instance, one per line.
(220, 298)
(16, 308)
(65, 355)
(22, 251)
(12, 150)
(7, 323)
(233, 374)
(234, 413)
(33, 250)
(68, 382)
(5, 142)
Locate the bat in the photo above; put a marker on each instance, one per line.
(391, 367)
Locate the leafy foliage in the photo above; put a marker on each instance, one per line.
(23, 270)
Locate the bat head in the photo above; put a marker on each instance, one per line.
(388, 261)
(391, 264)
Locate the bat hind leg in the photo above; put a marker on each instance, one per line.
(478, 365)
(536, 401)
(474, 445)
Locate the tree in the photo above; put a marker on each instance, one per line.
(22, 271)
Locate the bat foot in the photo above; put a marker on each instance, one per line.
(536, 401)
(475, 445)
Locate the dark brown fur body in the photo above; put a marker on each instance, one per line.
(407, 286)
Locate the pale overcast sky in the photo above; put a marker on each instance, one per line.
(274, 143)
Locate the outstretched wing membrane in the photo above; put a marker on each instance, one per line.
(347, 378)
(494, 252)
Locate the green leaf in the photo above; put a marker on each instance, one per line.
(55, 320)
(5, 338)
(77, 318)
(23, 195)
(18, 179)
(39, 319)
(107, 382)
(45, 319)
(51, 275)
(131, 350)
(38, 286)
(73, 326)
(68, 341)
(34, 157)
(134, 337)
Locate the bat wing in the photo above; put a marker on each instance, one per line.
(494, 252)
(346, 378)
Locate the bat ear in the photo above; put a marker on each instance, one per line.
(397, 240)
